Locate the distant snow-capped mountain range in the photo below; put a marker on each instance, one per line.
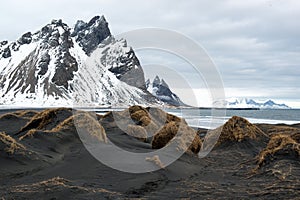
(82, 65)
(249, 103)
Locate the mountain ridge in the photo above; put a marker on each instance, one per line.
(83, 65)
(250, 103)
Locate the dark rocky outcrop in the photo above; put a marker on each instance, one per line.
(25, 39)
(90, 35)
(127, 68)
(43, 64)
(6, 53)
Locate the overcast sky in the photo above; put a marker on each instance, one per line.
(255, 44)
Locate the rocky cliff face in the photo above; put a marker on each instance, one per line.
(58, 65)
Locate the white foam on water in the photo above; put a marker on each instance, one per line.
(211, 123)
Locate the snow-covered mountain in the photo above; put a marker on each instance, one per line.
(250, 103)
(61, 66)
(160, 89)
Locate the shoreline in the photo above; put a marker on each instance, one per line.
(200, 118)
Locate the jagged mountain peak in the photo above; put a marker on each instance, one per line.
(159, 88)
(158, 81)
(90, 35)
(55, 28)
(57, 62)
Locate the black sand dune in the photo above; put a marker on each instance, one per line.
(42, 157)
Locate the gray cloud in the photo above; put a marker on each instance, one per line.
(255, 44)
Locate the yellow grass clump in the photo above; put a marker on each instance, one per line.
(173, 118)
(155, 159)
(137, 132)
(135, 108)
(145, 120)
(184, 136)
(188, 140)
(164, 135)
(239, 129)
(57, 184)
(296, 137)
(282, 130)
(151, 128)
(139, 114)
(26, 114)
(84, 122)
(81, 121)
(41, 119)
(11, 144)
(9, 116)
(30, 134)
(279, 143)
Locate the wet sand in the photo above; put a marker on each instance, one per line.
(42, 157)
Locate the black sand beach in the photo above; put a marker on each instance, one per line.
(42, 157)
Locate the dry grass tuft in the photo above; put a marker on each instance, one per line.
(135, 108)
(67, 124)
(157, 123)
(9, 116)
(188, 139)
(239, 129)
(165, 135)
(42, 119)
(139, 114)
(279, 144)
(173, 118)
(26, 114)
(145, 121)
(84, 122)
(11, 144)
(151, 128)
(30, 134)
(296, 137)
(137, 132)
(57, 184)
(155, 159)
(184, 136)
(271, 129)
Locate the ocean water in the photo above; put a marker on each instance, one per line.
(207, 118)
(210, 118)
